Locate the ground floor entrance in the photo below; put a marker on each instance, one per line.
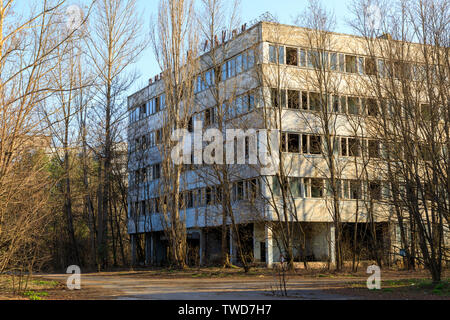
(266, 244)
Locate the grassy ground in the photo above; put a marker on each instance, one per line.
(401, 289)
(39, 289)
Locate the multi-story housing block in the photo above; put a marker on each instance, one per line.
(272, 67)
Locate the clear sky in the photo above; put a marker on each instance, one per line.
(284, 10)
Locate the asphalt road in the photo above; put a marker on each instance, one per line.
(137, 287)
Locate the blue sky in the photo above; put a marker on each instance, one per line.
(284, 10)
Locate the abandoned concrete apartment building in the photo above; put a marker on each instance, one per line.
(250, 66)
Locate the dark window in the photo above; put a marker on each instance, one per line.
(278, 98)
(304, 100)
(371, 67)
(372, 107)
(315, 145)
(292, 56)
(374, 148)
(375, 190)
(293, 143)
(355, 190)
(316, 188)
(353, 105)
(351, 64)
(354, 147)
(293, 99)
(314, 101)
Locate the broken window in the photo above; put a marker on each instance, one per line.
(353, 105)
(293, 99)
(315, 145)
(292, 56)
(371, 67)
(293, 143)
(372, 107)
(351, 64)
(304, 100)
(374, 149)
(278, 98)
(336, 104)
(313, 59)
(296, 187)
(316, 188)
(355, 190)
(314, 101)
(375, 190)
(354, 147)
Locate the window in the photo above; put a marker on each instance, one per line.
(302, 58)
(336, 107)
(296, 187)
(375, 190)
(351, 64)
(142, 111)
(273, 54)
(350, 147)
(209, 117)
(281, 55)
(292, 56)
(314, 101)
(313, 59)
(276, 54)
(293, 143)
(293, 99)
(304, 100)
(250, 59)
(361, 65)
(354, 147)
(239, 67)
(341, 62)
(351, 189)
(317, 188)
(353, 105)
(157, 104)
(372, 107)
(355, 190)
(276, 96)
(334, 61)
(209, 196)
(373, 149)
(315, 145)
(156, 171)
(311, 144)
(276, 188)
(239, 191)
(370, 67)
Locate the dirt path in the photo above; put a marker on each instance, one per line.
(131, 287)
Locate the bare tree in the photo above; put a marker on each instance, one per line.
(114, 44)
(175, 43)
(409, 78)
